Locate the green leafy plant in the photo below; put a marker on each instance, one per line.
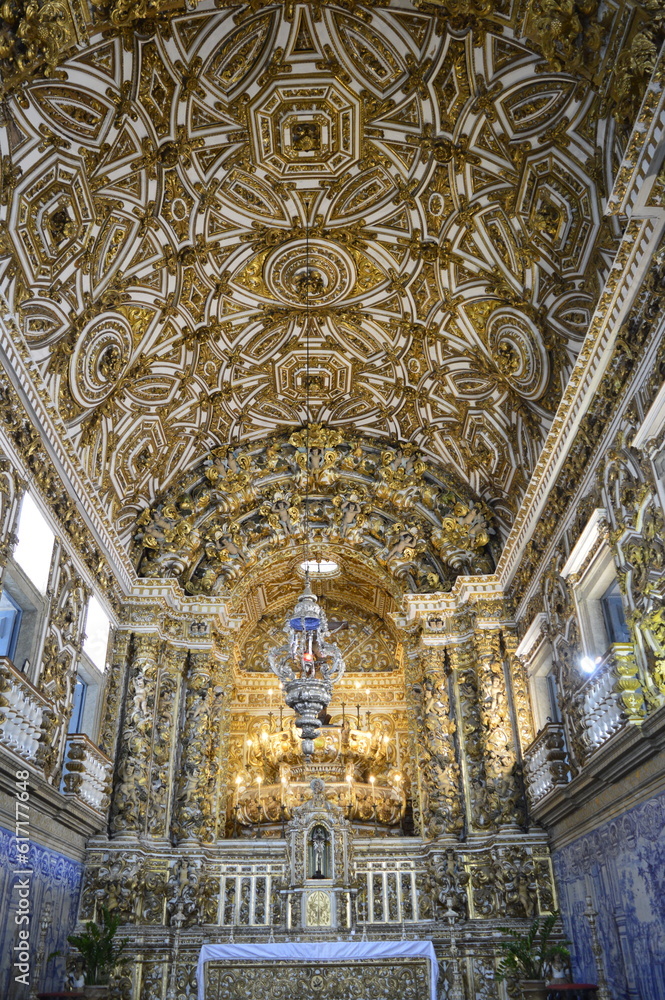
(530, 955)
(99, 951)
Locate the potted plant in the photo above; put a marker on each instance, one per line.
(528, 957)
(99, 954)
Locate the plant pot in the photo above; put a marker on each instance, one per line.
(96, 992)
(534, 989)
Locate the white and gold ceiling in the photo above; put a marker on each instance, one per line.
(164, 192)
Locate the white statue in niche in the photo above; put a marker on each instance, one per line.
(319, 852)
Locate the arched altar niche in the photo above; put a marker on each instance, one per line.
(319, 852)
(318, 837)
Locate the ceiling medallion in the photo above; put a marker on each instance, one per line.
(318, 664)
(315, 271)
(311, 130)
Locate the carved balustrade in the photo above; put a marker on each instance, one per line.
(610, 698)
(23, 710)
(87, 772)
(392, 892)
(250, 894)
(546, 762)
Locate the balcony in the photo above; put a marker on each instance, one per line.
(610, 698)
(87, 772)
(22, 711)
(546, 762)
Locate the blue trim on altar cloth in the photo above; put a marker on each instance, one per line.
(318, 951)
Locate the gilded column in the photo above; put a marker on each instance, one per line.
(130, 793)
(463, 661)
(192, 809)
(520, 691)
(219, 741)
(441, 783)
(410, 659)
(163, 748)
(504, 796)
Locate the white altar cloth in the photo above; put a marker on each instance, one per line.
(319, 951)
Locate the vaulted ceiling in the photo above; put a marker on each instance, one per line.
(166, 193)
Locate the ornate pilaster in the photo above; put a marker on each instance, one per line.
(108, 739)
(504, 794)
(192, 808)
(441, 801)
(12, 488)
(62, 647)
(410, 654)
(130, 794)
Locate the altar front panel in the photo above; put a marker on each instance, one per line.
(361, 979)
(323, 970)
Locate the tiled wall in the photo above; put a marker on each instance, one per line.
(621, 865)
(56, 879)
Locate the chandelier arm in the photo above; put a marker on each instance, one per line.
(278, 658)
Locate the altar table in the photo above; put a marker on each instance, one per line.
(396, 955)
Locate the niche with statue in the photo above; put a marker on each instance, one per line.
(319, 853)
(319, 846)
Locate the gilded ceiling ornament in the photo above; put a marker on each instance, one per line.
(187, 183)
(571, 33)
(184, 536)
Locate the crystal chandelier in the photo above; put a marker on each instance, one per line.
(307, 665)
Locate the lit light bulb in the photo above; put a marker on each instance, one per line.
(588, 665)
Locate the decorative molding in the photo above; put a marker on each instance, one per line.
(533, 635)
(585, 543)
(654, 420)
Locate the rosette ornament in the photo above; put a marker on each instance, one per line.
(307, 666)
